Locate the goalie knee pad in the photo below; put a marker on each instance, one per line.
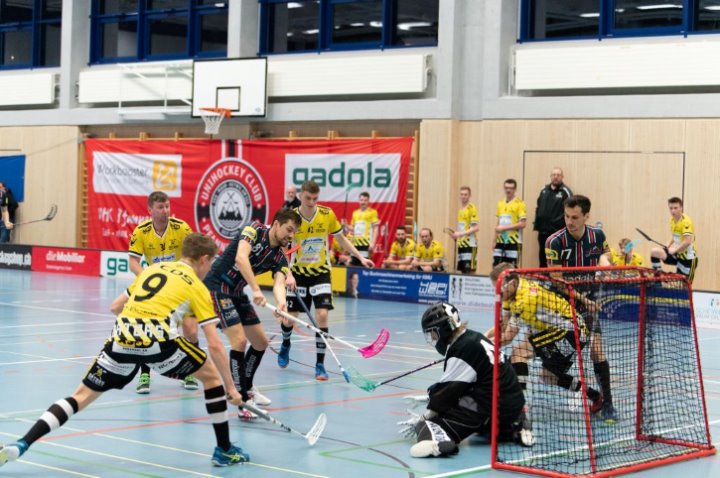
(432, 441)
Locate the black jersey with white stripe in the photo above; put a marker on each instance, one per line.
(562, 249)
(225, 277)
(467, 378)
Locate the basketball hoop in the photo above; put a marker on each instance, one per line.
(213, 117)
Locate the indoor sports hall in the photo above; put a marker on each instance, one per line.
(55, 324)
(461, 125)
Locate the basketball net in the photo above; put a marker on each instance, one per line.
(213, 117)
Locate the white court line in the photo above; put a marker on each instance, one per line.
(54, 309)
(84, 338)
(55, 468)
(45, 359)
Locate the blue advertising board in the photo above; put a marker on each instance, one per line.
(404, 286)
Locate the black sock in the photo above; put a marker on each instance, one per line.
(655, 262)
(320, 346)
(216, 406)
(237, 366)
(144, 368)
(568, 382)
(602, 372)
(55, 416)
(522, 371)
(286, 333)
(252, 362)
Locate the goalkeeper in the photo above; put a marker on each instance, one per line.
(460, 404)
(548, 317)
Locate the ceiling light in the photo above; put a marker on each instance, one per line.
(660, 6)
(294, 5)
(590, 15)
(408, 25)
(376, 24)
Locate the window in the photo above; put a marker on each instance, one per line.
(323, 25)
(30, 33)
(567, 19)
(136, 30)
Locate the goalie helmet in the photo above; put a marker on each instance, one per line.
(438, 323)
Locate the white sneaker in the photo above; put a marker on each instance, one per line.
(245, 414)
(259, 399)
(426, 448)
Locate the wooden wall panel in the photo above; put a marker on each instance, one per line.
(51, 172)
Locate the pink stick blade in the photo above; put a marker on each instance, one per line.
(376, 347)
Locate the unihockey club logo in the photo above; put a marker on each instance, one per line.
(230, 196)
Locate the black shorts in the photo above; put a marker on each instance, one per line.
(364, 251)
(509, 253)
(115, 366)
(556, 349)
(233, 310)
(466, 259)
(312, 290)
(684, 267)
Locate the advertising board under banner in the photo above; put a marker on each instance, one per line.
(15, 257)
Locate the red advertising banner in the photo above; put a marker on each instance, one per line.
(66, 261)
(218, 187)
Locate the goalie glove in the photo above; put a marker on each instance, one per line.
(415, 401)
(408, 428)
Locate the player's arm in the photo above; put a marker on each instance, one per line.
(117, 305)
(351, 249)
(242, 261)
(6, 217)
(457, 378)
(686, 242)
(374, 231)
(280, 285)
(135, 266)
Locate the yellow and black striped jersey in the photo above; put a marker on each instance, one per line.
(467, 217)
(362, 223)
(312, 258)
(541, 309)
(510, 213)
(683, 227)
(430, 253)
(159, 298)
(403, 251)
(168, 247)
(617, 258)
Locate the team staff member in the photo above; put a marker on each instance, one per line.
(429, 253)
(401, 251)
(581, 245)
(5, 224)
(467, 226)
(256, 249)
(549, 210)
(680, 251)
(159, 240)
(510, 223)
(146, 332)
(309, 280)
(365, 226)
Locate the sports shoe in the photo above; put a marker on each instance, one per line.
(425, 448)
(257, 397)
(232, 456)
(284, 356)
(320, 373)
(245, 414)
(608, 413)
(190, 383)
(143, 386)
(12, 451)
(597, 404)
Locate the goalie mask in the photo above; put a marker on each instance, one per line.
(438, 323)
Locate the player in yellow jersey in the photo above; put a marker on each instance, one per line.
(680, 251)
(467, 226)
(365, 226)
(511, 220)
(309, 280)
(402, 251)
(146, 332)
(625, 256)
(159, 240)
(338, 256)
(547, 317)
(429, 254)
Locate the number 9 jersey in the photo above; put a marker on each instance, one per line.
(160, 297)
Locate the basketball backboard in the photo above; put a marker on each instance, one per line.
(238, 84)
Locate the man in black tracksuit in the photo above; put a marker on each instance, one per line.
(549, 214)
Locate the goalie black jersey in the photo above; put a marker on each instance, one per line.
(225, 277)
(467, 379)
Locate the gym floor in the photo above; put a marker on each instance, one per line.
(53, 325)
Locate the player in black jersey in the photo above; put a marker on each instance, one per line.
(581, 245)
(257, 249)
(460, 404)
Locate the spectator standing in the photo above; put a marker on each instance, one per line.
(549, 214)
